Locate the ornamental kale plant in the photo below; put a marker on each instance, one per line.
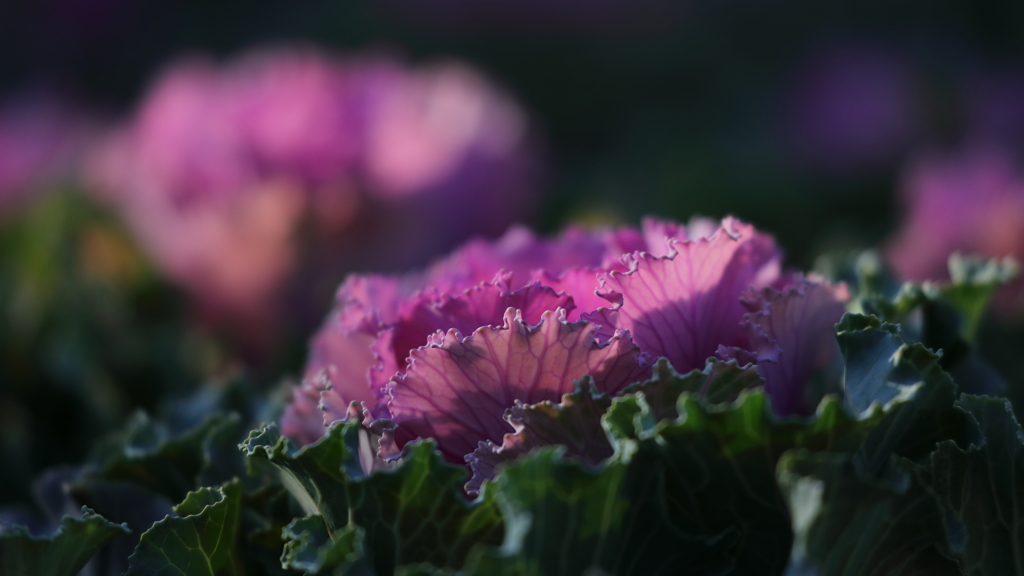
(664, 400)
(257, 183)
(971, 202)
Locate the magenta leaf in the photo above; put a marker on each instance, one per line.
(343, 350)
(457, 389)
(580, 283)
(520, 253)
(378, 298)
(792, 333)
(481, 305)
(340, 355)
(685, 305)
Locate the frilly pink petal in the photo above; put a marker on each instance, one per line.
(481, 305)
(792, 336)
(620, 242)
(658, 235)
(519, 252)
(579, 283)
(377, 297)
(344, 351)
(685, 305)
(457, 391)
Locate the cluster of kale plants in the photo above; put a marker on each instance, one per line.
(911, 466)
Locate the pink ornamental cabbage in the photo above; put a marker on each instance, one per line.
(471, 288)
(229, 174)
(971, 203)
(444, 355)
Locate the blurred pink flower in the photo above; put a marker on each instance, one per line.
(238, 177)
(972, 202)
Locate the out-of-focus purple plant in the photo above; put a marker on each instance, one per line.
(237, 178)
(444, 352)
(39, 139)
(970, 202)
(851, 106)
